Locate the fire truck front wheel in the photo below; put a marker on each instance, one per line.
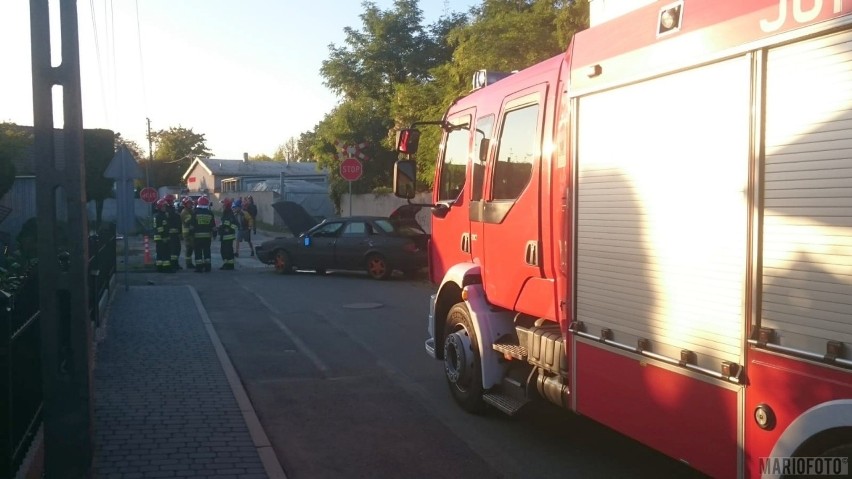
(462, 364)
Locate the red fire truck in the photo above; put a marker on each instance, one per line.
(654, 230)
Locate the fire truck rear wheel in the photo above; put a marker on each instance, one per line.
(462, 364)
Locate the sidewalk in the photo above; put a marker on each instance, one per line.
(168, 402)
(136, 256)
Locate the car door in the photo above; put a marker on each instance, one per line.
(316, 251)
(352, 245)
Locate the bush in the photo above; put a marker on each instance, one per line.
(13, 270)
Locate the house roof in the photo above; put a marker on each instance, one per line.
(225, 167)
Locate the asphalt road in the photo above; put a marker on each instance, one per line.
(337, 372)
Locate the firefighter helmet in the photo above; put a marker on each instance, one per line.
(170, 198)
(161, 204)
(203, 202)
(226, 202)
(187, 201)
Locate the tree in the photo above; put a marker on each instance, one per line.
(139, 155)
(98, 151)
(14, 141)
(176, 149)
(503, 35)
(288, 151)
(392, 47)
(388, 49)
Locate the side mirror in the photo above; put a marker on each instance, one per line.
(440, 210)
(404, 178)
(407, 141)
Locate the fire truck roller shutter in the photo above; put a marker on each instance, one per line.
(807, 237)
(663, 211)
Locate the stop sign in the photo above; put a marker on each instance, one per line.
(350, 169)
(148, 195)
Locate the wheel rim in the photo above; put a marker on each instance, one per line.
(458, 358)
(376, 267)
(280, 261)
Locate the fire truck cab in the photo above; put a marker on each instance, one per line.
(654, 230)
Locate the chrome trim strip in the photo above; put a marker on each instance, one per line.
(659, 357)
(802, 354)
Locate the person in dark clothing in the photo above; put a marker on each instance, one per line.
(186, 231)
(174, 232)
(251, 209)
(161, 237)
(203, 225)
(227, 234)
(244, 225)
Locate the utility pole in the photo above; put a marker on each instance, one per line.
(150, 155)
(63, 272)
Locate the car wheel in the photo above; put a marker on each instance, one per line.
(377, 267)
(283, 264)
(462, 364)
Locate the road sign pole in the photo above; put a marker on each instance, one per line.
(350, 198)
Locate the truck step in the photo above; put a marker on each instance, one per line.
(505, 403)
(508, 345)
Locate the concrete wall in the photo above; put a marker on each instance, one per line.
(383, 205)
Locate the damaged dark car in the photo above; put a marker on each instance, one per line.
(376, 245)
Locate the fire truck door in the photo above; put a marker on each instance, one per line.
(450, 223)
(511, 214)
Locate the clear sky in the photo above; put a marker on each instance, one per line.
(243, 73)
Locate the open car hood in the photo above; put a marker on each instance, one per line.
(295, 217)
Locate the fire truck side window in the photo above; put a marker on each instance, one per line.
(454, 164)
(518, 151)
(483, 131)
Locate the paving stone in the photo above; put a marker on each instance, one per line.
(163, 406)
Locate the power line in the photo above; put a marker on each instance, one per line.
(141, 63)
(114, 64)
(98, 54)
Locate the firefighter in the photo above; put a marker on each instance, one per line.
(227, 234)
(186, 229)
(161, 237)
(174, 228)
(203, 227)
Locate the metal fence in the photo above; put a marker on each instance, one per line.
(20, 350)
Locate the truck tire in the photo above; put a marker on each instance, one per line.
(462, 363)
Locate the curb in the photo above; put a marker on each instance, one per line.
(258, 436)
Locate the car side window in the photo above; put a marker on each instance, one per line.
(384, 226)
(357, 228)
